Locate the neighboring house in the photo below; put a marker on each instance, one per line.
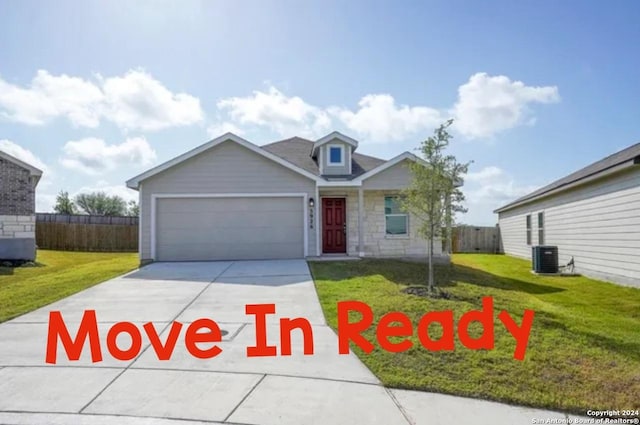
(231, 199)
(18, 181)
(592, 215)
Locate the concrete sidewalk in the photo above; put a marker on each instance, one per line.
(325, 388)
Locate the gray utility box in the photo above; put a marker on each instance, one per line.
(18, 249)
(544, 259)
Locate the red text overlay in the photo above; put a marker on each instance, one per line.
(202, 337)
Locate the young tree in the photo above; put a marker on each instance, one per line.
(64, 204)
(434, 194)
(99, 203)
(133, 209)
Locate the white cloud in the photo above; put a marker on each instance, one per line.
(487, 105)
(45, 202)
(138, 101)
(49, 97)
(133, 101)
(30, 158)
(488, 189)
(94, 156)
(286, 116)
(221, 128)
(111, 190)
(22, 154)
(379, 119)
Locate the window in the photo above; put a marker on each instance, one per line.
(396, 220)
(336, 155)
(529, 229)
(541, 228)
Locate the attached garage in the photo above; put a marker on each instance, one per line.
(224, 227)
(226, 200)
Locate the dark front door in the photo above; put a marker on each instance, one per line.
(334, 228)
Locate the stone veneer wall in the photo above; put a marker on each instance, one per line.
(376, 242)
(18, 237)
(18, 226)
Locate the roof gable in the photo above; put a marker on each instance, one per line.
(297, 151)
(334, 135)
(35, 172)
(134, 183)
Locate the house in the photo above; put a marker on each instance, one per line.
(297, 198)
(18, 181)
(592, 215)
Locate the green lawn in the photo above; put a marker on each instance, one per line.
(583, 352)
(57, 274)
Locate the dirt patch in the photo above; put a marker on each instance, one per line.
(423, 291)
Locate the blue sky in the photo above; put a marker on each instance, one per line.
(96, 92)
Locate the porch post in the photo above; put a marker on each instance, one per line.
(360, 222)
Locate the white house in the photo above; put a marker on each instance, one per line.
(592, 215)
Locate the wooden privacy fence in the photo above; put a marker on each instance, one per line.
(477, 239)
(69, 233)
(85, 219)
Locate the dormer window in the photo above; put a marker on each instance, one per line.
(336, 154)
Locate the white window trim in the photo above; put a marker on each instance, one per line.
(406, 219)
(342, 155)
(156, 196)
(544, 236)
(140, 223)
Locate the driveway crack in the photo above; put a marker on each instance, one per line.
(160, 333)
(408, 418)
(244, 398)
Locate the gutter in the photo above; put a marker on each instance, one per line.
(588, 179)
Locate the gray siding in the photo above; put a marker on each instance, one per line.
(598, 224)
(334, 170)
(17, 190)
(226, 168)
(396, 177)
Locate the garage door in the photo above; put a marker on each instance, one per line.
(201, 229)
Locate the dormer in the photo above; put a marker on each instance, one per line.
(333, 154)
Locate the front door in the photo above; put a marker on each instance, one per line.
(334, 225)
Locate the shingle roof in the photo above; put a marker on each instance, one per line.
(297, 151)
(630, 154)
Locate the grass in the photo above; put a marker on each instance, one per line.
(56, 275)
(584, 347)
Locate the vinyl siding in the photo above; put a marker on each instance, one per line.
(226, 168)
(396, 177)
(336, 170)
(598, 224)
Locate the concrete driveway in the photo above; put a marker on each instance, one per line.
(325, 388)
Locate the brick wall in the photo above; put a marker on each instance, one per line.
(17, 194)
